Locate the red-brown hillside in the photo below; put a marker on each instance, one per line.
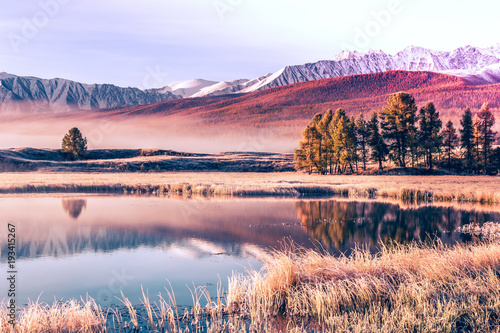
(299, 102)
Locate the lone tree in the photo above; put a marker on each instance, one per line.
(74, 145)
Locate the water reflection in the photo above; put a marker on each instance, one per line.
(74, 207)
(200, 241)
(226, 226)
(340, 225)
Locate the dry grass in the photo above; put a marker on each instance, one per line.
(71, 316)
(402, 289)
(413, 288)
(480, 189)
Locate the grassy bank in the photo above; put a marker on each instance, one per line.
(475, 189)
(414, 288)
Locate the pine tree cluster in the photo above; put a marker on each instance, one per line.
(334, 143)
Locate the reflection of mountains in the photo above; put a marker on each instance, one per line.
(341, 224)
(111, 224)
(103, 240)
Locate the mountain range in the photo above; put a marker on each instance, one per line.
(18, 93)
(477, 66)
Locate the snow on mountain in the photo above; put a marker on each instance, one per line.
(31, 94)
(186, 88)
(487, 75)
(478, 65)
(230, 87)
(222, 88)
(467, 61)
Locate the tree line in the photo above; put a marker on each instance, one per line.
(335, 144)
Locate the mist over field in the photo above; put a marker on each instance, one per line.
(47, 131)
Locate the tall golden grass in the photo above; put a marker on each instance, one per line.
(71, 316)
(401, 289)
(408, 189)
(410, 288)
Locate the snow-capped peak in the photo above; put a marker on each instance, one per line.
(187, 88)
(346, 54)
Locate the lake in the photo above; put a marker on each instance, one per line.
(99, 246)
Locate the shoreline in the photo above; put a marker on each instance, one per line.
(408, 189)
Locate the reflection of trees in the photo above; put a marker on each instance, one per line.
(340, 224)
(74, 207)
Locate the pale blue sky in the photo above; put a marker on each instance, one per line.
(151, 43)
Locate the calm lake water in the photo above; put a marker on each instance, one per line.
(100, 245)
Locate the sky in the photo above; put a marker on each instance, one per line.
(152, 43)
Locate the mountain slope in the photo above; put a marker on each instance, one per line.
(31, 94)
(478, 65)
(299, 102)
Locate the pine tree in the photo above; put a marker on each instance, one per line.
(467, 139)
(308, 156)
(334, 132)
(398, 125)
(486, 122)
(314, 150)
(352, 133)
(450, 141)
(318, 154)
(327, 140)
(344, 141)
(379, 149)
(340, 139)
(74, 145)
(476, 133)
(429, 137)
(363, 135)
